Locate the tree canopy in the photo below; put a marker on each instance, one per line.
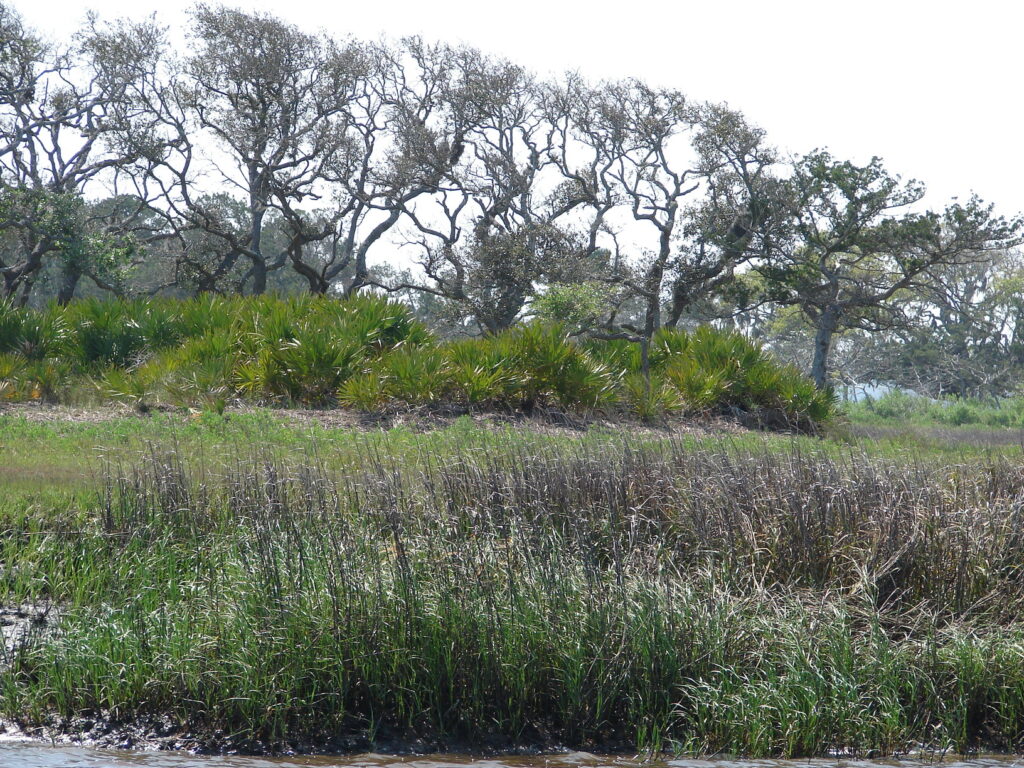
(264, 157)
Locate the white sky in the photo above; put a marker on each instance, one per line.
(932, 87)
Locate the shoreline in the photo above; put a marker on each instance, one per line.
(154, 735)
(161, 734)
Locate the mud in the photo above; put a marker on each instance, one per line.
(30, 755)
(161, 733)
(19, 625)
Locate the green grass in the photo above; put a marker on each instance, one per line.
(900, 409)
(760, 596)
(53, 454)
(951, 428)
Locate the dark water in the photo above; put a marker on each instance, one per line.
(32, 755)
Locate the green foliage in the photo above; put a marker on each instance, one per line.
(416, 376)
(59, 223)
(364, 392)
(577, 305)
(701, 389)
(105, 333)
(859, 256)
(10, 326)
(205, 385)
(43, 379)
(908, 408)
(309, 368)
(618, 354)
(42, 335)
(555, 370)
(651, 401)
(128, 387)
(10, 370)
(366, 352)
(481, 372)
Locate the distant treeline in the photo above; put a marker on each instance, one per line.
(264, 157)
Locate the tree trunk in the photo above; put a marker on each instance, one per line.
(25, 290)
(18, 280)
(362, 271)
(68, 284)
(258, 211)
(259, 277)
(318, 286)
(655, 277)
(680, 300)
(827, 324)
(645, 364)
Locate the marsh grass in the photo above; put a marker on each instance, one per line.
(897, 408)
(611, 593)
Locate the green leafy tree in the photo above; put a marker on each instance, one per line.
(62, 222)
(856, 248)
(967, 340)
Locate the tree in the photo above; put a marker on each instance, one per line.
(856, 247)
(401, 145)
(737, 219)
(501, 218)
(691, 176)
(260, 107)
(66, 224)
(968, 338)
(68, 129)
(636, 130)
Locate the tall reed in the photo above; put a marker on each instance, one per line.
(599, 595)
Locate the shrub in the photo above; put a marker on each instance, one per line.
(105, 333)
(416, 375)
(650, 401)
(10, 326)
(960, 414)
(42, 335)
(700, 389)
(553, 369)
(42, 380)
(207, 385)
(364, 392)
(10, 370)
(895, 404)
(310, 368)
(317, 351)
(482, 373)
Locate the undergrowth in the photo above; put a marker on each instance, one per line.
(370, 354)
(898, 407)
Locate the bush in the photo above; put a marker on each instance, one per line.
(10, 326)
(650, 400)
(365, 352)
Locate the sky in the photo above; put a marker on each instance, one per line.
(933, 88)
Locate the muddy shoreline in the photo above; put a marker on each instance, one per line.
(163, 734)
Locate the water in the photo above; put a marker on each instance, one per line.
(32, 755)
